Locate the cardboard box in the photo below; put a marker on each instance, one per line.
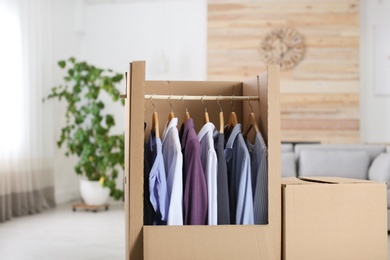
(200, 242)
(333, 218)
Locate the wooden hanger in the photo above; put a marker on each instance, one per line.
(155, 127)
(233, 117)
(206, 114)
(221, 119)
(221, 122)
(251, 122)
(187, 114)
(171, 114)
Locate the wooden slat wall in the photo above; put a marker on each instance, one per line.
(320, 96)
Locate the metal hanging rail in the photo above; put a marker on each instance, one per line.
(200, 98)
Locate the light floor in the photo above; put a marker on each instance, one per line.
(61, 234)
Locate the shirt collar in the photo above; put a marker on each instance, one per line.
(207, 128)
(185, 129)
(259, 142)
(260, 139)
(168, 126)
(235, 131)
(229, 144)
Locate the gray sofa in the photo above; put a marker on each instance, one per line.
(358, 161)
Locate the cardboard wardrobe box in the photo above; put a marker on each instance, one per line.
(200, 242)
(333, 218)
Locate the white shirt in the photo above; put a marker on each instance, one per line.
(208, 157)
(173, 162)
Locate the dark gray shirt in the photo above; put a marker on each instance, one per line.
(222, 181)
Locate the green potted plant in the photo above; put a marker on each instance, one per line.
(86, 132)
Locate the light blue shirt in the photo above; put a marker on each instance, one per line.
(173, 163)
(239, 171)
(157, 181)
(259, 166)
(208, 156)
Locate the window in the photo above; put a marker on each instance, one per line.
(11, 79)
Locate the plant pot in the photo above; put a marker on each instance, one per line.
(93, 193)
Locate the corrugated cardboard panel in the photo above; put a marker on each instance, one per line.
(134, 167)
(334, 221)
(334, 180)
(201, 242)
(292, 180)
(210, 242)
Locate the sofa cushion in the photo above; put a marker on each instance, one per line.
(388, 200)
(288, 165)
(348, 164)
(372, 150)
(380, 169)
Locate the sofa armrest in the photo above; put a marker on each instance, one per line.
(380, 169)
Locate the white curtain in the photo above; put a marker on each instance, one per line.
(26, 171)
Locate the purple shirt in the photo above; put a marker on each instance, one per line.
(194, 181)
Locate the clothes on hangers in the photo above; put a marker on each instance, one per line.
(205, 178)
(209, 163)
(148, 208)
(240, 182)
(258, 153)
(222, 181)
(173, 163)
(157, 180)
(195, 188)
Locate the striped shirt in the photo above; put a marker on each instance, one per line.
(258, 152)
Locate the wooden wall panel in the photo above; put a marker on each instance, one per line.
(320, 96)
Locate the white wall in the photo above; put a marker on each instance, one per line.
(375, 109)
(174, 31)
(169, 35)
(65, 43)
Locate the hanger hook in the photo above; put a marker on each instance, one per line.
(151, 101)
(170, 104)
(205, 107)
(249, 102)
(182, 100)
(232, 103)
(218, 103)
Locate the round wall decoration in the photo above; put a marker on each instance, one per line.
(283, 46)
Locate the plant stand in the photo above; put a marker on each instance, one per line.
(86, 207)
